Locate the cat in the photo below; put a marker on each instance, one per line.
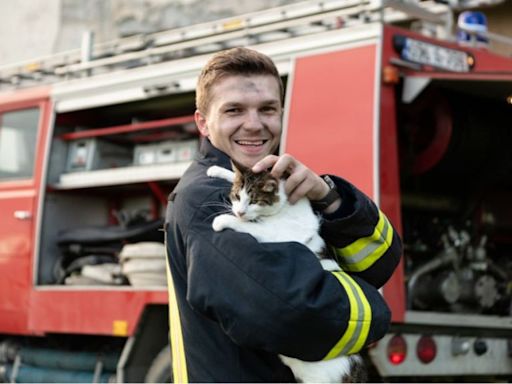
(260, 208)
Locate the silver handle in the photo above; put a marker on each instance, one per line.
(23, 215)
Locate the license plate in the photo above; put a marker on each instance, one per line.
(436, 56)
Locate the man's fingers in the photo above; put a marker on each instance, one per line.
(299, 192)
(300, 182)
(279, 164)
(294, 180)
(285, 164)
(265, 163)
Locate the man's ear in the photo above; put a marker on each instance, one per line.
(201, 123)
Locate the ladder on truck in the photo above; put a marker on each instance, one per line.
(307, 17)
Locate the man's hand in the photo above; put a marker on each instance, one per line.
(302, 181)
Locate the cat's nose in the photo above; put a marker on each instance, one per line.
(240, 214)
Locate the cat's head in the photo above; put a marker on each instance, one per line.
(254, 195)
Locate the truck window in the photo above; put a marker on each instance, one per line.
(18, 135)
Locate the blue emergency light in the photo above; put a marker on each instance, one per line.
(472, 29)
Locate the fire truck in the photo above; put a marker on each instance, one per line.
(92, 141)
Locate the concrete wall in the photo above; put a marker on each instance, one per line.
(28, 28)
(34, 28)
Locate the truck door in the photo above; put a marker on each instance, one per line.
(20, 157)
(331, 122)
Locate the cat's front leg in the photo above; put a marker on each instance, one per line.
(224, 221)
(221, 173)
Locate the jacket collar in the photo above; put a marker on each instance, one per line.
(213, 155)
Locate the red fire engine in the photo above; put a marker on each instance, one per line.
(92, 141)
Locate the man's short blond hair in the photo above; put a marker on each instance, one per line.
(232, 62)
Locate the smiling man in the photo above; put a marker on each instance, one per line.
(236, 304)
(243, 118)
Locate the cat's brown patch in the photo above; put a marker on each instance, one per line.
(262, 188)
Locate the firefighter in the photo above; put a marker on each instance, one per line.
(235, 304)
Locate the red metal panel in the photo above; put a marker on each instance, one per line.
(331, 115)
(96, 312)
(394, 290)
(16, 235)
(14, 282)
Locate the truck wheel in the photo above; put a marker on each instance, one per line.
(160, 370)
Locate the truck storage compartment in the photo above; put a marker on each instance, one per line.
(109, 174)
(456, 181)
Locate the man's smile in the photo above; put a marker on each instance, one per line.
(252, 143)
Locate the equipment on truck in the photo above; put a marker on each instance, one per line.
(103, 135)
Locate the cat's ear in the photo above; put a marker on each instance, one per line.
(270, 185)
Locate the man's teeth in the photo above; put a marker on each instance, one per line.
(254, 143)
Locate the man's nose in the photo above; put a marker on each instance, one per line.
(253, 120)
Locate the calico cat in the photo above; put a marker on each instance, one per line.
(260, 208)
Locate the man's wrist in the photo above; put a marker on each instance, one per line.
(331, 201)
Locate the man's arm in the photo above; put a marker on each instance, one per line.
(362, 238)
(276, 296)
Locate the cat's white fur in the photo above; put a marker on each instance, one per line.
(282, 222)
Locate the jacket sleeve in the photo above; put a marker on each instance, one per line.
(363, 240)
(276, 296)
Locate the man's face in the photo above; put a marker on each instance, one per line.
(244, 117)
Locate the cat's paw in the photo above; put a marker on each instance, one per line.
(223, 222)
(214, 171)
(221, 173)
(330, 265)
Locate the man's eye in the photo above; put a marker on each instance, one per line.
(269, 109)
(232, 110)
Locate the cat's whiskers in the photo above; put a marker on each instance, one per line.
(225, 205)
(216, 204)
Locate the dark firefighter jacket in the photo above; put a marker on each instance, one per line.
(235, 304)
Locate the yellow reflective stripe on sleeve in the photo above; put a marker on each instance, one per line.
(179, 362)
(359, 320)
(364, 252)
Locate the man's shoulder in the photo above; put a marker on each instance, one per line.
(196, 187)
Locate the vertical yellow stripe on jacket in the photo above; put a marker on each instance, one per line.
(359, 320)
(179, 362)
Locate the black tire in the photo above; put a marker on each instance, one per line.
(160, 370)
